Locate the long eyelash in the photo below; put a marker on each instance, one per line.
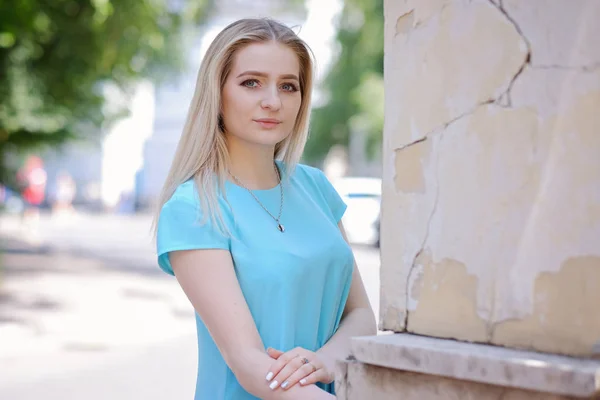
(248, 81)
(294, 87)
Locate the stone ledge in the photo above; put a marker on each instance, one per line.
(481, 363)
(360, 381)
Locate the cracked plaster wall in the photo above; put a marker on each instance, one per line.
(491, 193)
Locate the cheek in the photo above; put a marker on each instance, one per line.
(294, 107)
(235, 99)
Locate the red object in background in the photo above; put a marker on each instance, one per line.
(33, 179)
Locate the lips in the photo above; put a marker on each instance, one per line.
(268, 120)
(267, 123)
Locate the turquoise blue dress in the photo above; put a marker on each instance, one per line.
(296, 283)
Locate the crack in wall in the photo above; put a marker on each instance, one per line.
(503, 100)
(424, 138)
(428, 136)
(466, 114)
(426, 236)
(507, 93)
(582, 68)
(492, 325)
(438, 130)
(491, 328)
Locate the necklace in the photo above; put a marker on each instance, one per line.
(277, 219)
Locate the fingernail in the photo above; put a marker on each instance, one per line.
(273, 385)
(284, 384)
(269, 376)
(302, 381)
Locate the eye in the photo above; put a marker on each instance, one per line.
(250, 83)
(289, 87)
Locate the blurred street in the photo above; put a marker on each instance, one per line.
(85, 312)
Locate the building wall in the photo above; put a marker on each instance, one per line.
(491, 172)
(104, 167)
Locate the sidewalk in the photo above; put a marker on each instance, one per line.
(89, 315)
(68, 316)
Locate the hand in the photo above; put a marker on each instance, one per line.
(297, 365)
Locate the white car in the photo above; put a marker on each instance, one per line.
(362, 218)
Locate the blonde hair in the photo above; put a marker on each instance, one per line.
(201, 153)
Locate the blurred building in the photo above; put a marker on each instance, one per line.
(105, 169)
(83, 162)
(491, 191)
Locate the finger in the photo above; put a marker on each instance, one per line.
(324, 374)
(291, 367)
(320, 375)
(302, 372)
(274, 352)
(278, 365)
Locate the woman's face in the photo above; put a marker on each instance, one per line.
(261, 96)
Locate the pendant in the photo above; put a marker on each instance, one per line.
(281, 228)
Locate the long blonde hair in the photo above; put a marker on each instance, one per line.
(202, 152)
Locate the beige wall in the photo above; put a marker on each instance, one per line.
(491, 198)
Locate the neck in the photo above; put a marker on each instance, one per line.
(252, 165)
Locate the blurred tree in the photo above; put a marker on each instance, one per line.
(56, 55)
(353, 87)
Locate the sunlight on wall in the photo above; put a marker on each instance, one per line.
(123, 145)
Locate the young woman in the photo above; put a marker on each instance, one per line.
(253, 237)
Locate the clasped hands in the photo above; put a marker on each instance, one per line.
(296, 366)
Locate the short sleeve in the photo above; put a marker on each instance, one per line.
(181, 227)
(334, 200)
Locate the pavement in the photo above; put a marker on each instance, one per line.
(85, 312)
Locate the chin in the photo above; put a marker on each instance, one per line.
(268, 138)
(260, 137)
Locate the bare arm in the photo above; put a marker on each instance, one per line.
(208, 279)
(357, 320)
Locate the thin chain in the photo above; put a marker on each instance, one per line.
(258, 201)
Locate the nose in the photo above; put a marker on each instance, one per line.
(271, 100)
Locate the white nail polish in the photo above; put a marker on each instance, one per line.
(284, 384)
(302, 381)
(273, 385)
(269, 376)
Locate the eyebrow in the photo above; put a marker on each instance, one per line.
(258, 73)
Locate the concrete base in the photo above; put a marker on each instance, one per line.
(405, 366)
(357, 381)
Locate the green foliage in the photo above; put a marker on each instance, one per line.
(55, 56)
(354, 84)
